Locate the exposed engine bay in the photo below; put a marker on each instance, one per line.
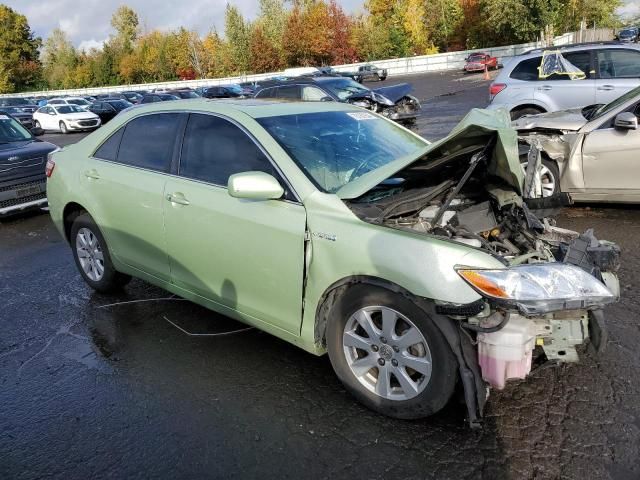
(456, 193)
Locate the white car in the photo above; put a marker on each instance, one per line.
(65, 118)
(79, 101)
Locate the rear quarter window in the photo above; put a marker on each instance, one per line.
(526, 70)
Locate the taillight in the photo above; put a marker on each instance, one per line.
(496, 88)
(48, 171)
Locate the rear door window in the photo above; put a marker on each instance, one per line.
(527, 70)
(148, 141)
(214, 149)
(618, 63)
(291, 92)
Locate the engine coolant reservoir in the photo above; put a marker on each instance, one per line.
(506, 354)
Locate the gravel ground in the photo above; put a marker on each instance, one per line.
(88, 391)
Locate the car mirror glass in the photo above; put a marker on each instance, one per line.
(626, 121)
(254, 186)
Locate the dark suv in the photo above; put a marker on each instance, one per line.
(23, 103)
(22, 167)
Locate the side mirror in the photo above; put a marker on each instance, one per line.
(326, 99)
(37, 131)
(254, 186)
(626, 121)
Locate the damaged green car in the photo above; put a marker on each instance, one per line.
(416, 266)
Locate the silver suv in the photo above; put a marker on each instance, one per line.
(611, 70)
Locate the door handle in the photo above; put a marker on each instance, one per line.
(545, 87)
(92, 174)
(606, 87)
(177, 198)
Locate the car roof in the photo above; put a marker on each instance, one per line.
(253, 107)
(578, 46)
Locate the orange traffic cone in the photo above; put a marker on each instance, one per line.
(486, 72)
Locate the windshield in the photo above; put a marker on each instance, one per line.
(12, 131)
(335, 148)
(14, 101)
(627, 33)
(120, 104)
(476, 58)
(615, 104)
(13, 110)
(78, 101)
(344, 88)
(69, 109)
(234, 88)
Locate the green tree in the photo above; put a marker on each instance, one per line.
(237, 34)
(125, 22)
(59, 59)
(19, 64)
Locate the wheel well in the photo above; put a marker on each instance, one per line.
(339, 288)
(529, 105)
(71, 212)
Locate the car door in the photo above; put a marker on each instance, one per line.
(108, 112)
(564, 93)
(245, 255)
(618, 72)
(125, 182)
(611, 160)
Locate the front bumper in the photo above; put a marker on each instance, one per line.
(474, 68)
(23, 196)
(83, 124)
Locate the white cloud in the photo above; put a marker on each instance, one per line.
(631, 8)
(87, 45)
(86, 20)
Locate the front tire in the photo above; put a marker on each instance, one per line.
(92, 257)
(63, 128)
(36, 124)
(521, 112)
(549, 176)
(390, 354)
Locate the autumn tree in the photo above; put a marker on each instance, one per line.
(19, 64)
(125, 22)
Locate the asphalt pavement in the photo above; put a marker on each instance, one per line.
(96, 386)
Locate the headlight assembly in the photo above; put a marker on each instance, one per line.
(539, 288)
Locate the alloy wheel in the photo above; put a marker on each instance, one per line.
(546, 178)
(387, 353)
(90, 254)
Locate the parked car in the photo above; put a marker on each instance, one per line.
(158, 97)
(394, 102)
(628, 35)
(417, 266)
(109, 108)
(25, 119)
(18, 102)
(184, 94)
(362, 73)
(610, 69)
(22, 167)
(65, 118)
(79, 101)
(224, 91)
(132, 97)
(591, 153)
(478, 62)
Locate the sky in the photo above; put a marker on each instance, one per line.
(87, 22)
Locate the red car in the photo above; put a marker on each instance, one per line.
(477, 61)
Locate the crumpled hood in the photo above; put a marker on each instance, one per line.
(476, 128)
(562, 120)
(394, 92)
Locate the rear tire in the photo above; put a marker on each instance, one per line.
(92, 257)
(380, 374)
(521, 112)
(63, 128)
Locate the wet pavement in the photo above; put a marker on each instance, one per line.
(97, 386)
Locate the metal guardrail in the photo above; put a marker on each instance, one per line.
(396, 66)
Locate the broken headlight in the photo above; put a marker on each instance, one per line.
(381, 99)
(539, 288)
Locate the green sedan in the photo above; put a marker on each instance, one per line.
(416, 266)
